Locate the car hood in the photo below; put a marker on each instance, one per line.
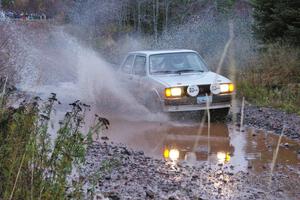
(186, 79)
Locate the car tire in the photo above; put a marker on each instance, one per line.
(153, 103)
(219, 114)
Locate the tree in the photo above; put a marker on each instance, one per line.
(224, 6)
(277, 20)
(155, 18)
(167, 7)
(139, 16)
(6, 3)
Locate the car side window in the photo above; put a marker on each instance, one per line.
(127, 66)
(139, 67)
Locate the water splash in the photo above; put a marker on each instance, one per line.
(61, 64)
(208, 126)
(275, 155)
(226, 48)
(242, 114)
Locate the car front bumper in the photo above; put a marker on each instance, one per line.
(190, 104)
(194, 107)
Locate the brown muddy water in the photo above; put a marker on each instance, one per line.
(191, 143)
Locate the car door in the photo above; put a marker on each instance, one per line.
(126, 71)
(139, 74)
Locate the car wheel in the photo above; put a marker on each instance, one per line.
(153, 104)
(219, 114)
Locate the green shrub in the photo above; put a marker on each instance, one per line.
(34, 166)
(273, 78)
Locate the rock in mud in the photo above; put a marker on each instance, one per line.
(104, 138)
(150, 193)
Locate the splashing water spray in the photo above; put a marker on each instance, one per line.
(275, 155)
(208, 126)
(60, 63)
(242, 114)
(232, 73)
(220, 64)
(226, 48)
(226, 51)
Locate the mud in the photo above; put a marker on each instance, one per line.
(274, 120)
(173, 160)
(132, 175)
(224, 144)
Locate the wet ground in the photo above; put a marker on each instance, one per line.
(192, 143)
(273, 119)
(176, 160)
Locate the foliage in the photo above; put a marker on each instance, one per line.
(6, 3)
(272, 78)
(33, 165)
(225, 5)
(277, 20)
(285, 99)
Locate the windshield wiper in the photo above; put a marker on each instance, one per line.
(163, 72)
(177, 72)
(188, 70)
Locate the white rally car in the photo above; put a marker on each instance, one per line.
(176, 81)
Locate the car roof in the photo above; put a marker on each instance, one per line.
(152, 52)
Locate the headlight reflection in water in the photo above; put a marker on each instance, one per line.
(172, 154)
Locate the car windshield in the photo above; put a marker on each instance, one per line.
(172, 63)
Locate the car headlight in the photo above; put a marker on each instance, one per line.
(226, 88)
(173, 92)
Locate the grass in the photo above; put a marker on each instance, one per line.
(34, 166)
(273, 79)
(284, 99)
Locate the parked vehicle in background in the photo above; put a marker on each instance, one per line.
(176, 81)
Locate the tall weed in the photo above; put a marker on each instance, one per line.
(34, 166)
(273, 78)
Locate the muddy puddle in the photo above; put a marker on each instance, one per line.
(224, 145)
